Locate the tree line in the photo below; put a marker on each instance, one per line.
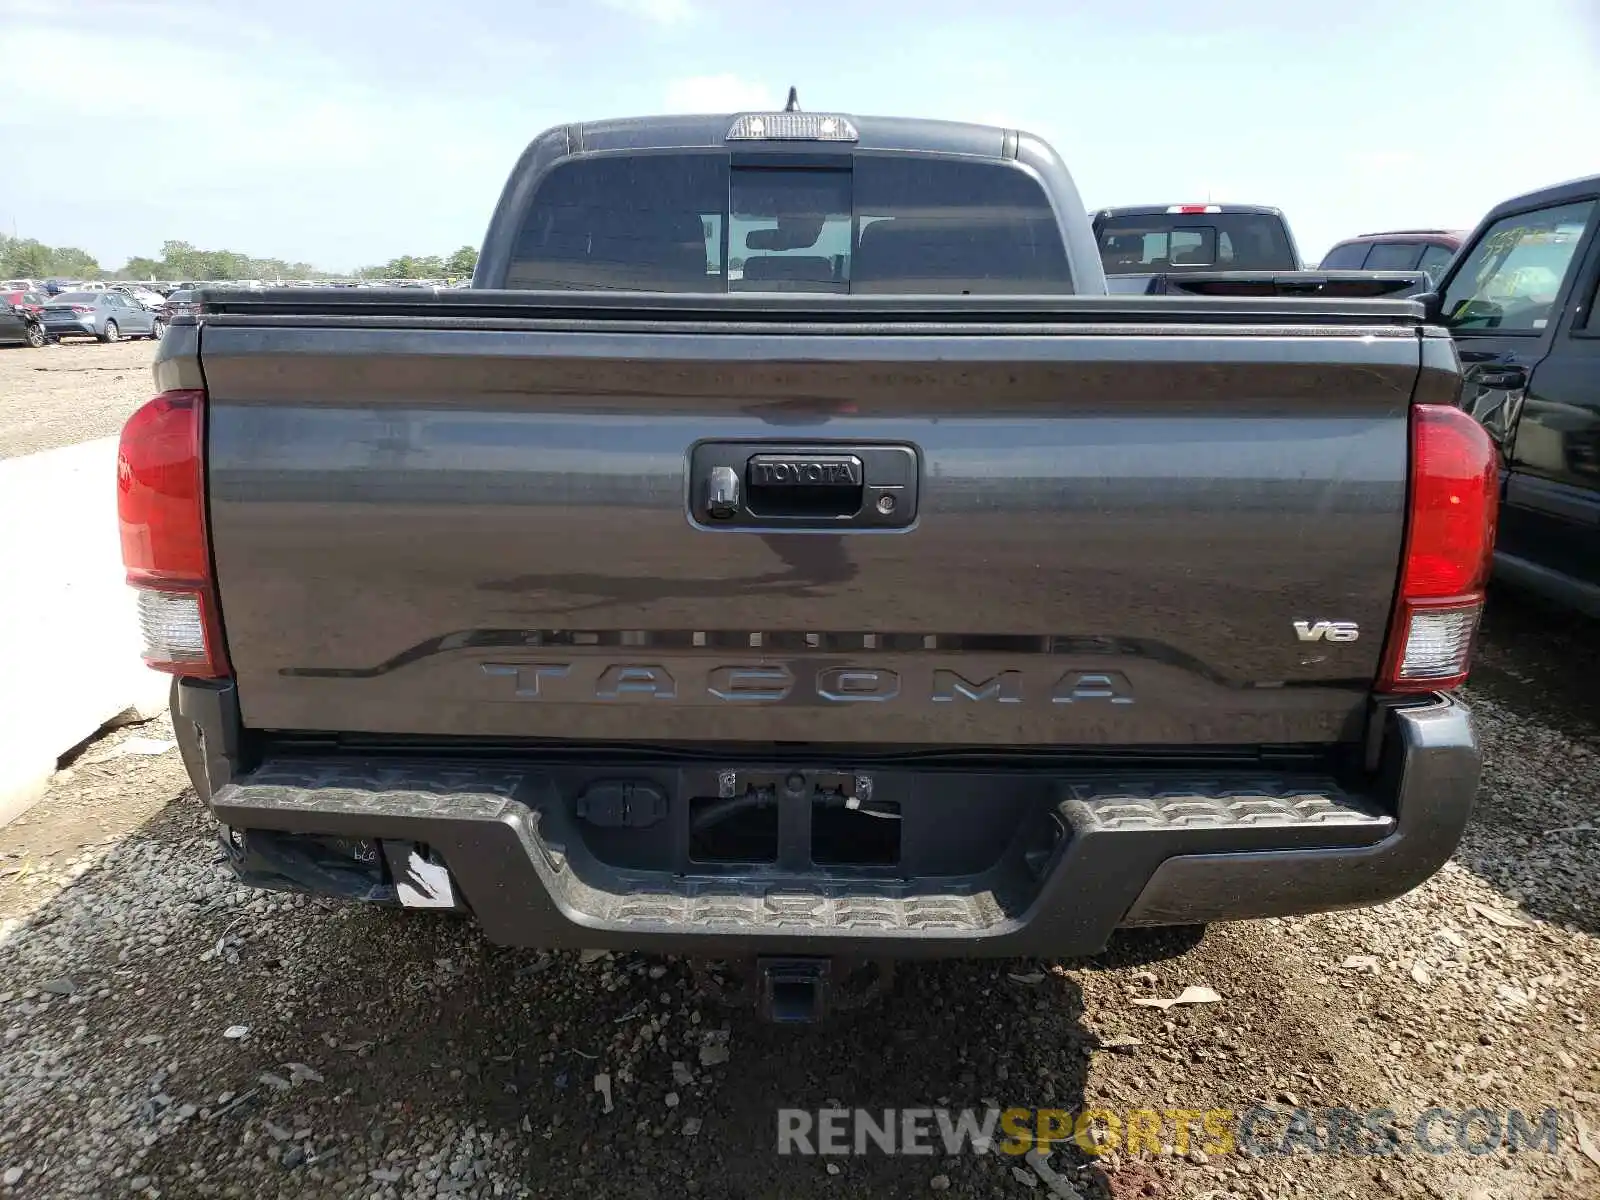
(31, 259)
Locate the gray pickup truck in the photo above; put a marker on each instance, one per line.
(788, 552)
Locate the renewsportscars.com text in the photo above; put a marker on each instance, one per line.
(1261, 1130)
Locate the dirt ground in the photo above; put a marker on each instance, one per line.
(69, 392)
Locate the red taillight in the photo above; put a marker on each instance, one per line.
(1449, 547)
(1194, 208)
(161, 511)
(82, 308)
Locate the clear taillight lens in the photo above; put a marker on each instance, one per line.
(172, 627)
(1439, 643)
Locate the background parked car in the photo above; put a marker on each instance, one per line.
(146, 297)
(109, 316)
(1519, 300)
(31, 300)
(19, 327)
(1425, 250)
(1140, 241)
(177, 303)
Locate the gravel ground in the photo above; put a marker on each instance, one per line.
(163, 1032)
(71, 392)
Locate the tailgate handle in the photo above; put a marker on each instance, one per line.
(760, 485)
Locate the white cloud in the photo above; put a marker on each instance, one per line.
(278, 146)
(245, 114)
(658, 12)
(719, 94)
(1381, 160)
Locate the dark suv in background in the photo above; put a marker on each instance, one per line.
(1520, 301)
(1425, 250)
(178, 303)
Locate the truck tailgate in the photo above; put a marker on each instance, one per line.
(1134, 531)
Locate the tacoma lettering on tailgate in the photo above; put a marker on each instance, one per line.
(575, 682)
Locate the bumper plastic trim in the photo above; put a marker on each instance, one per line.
(1166, 851)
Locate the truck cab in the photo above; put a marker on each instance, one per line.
(1139, 241)
(1519, 300)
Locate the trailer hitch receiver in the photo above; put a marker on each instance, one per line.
(794, 991)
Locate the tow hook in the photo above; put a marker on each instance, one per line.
(794, 991)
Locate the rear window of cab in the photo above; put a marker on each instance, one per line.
(876, 224)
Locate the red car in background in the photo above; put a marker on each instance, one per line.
(1425, 250)
(32, 301)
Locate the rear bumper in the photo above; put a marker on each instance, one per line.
(71, 329)
(1084, 852)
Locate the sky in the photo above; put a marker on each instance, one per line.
(346, 132)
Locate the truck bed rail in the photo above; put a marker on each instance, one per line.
(943, 314)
